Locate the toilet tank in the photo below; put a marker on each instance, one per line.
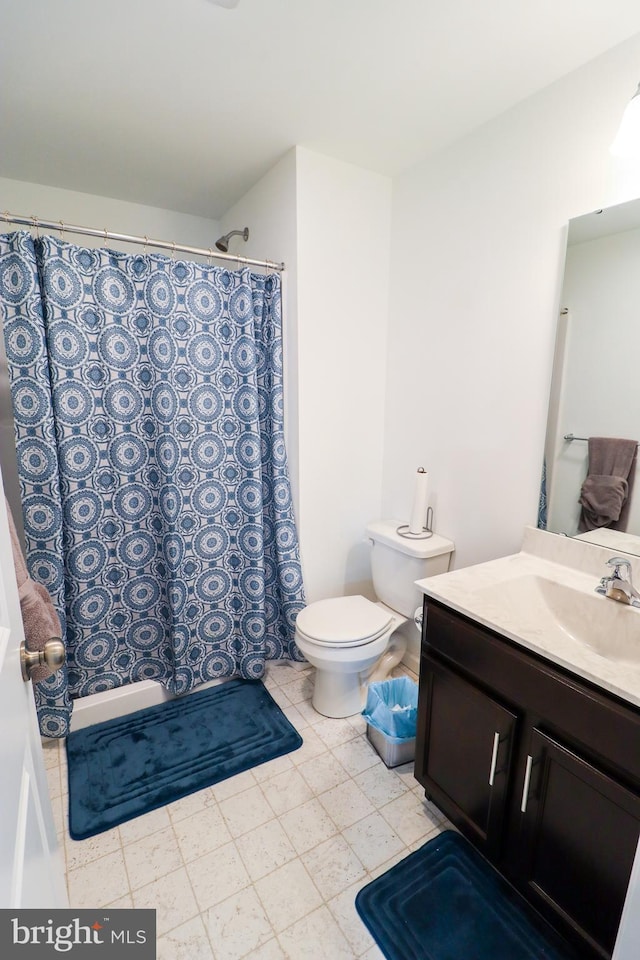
(397, 562)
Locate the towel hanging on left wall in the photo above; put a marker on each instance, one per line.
(39, 618)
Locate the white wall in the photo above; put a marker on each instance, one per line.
(477, 249)
(118, 216)
(600, 383)
(343, 274)
(329, 222)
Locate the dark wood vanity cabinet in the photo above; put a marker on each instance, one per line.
(540, 770)
(579, 834)
(466, 756)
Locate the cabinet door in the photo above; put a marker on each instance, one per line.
(464, 748)
(579, 835)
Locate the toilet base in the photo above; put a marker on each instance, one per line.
(340, 686)
(337, 695)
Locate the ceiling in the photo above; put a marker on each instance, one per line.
(183, 104)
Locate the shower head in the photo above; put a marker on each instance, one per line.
(223, 242)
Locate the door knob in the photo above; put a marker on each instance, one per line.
(53, 657)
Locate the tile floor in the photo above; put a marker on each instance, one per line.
(265, 865)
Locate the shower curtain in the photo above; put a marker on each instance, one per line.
(147, 400)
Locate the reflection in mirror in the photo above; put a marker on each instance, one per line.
(595, 388)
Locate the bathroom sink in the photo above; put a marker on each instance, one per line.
(557, 613)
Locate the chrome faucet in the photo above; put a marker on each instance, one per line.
(619, 585)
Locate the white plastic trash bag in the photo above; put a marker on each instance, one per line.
(392, 708)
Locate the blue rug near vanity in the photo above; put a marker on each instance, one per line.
(445, 902)
(125, 767)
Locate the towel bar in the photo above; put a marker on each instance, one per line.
(570, 437)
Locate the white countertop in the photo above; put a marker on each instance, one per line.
(544, 599)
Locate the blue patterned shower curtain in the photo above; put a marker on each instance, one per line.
(147, 396)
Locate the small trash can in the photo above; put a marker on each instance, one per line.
(391, 712)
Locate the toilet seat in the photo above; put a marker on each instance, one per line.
(343, 622)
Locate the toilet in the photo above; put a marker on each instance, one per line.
(352, 641)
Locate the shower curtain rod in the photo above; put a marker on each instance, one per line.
(36, 223)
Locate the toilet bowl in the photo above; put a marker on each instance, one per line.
(352, 640)
(344, 638)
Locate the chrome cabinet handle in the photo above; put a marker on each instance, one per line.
(525, 788)
(53, 657)
(494, 758)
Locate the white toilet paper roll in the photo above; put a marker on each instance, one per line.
(417, 619)
(420, 502)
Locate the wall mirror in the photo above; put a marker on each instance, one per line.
(595, 390)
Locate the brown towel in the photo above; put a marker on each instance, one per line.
(39, 617)
(605, 496)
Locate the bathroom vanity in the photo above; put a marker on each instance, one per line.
(528, 739)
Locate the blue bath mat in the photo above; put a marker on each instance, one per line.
(445, 902)
(125, 767)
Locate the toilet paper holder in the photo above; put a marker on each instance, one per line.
(427, 530)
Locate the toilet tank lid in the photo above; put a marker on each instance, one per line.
(385, 531)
